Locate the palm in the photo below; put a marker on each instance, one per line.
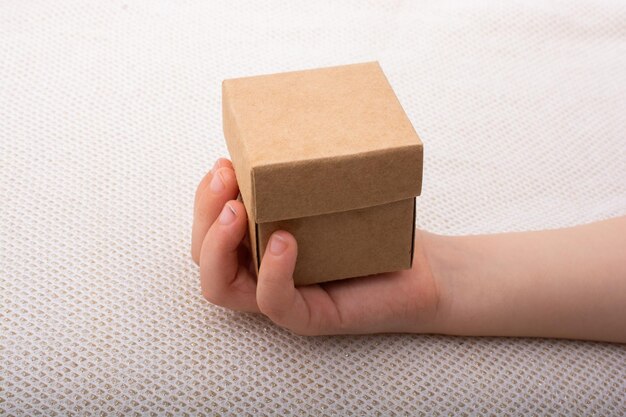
(390, 302)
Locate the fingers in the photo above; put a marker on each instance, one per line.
(224, 281)
(219, 186)
(276, 294)
(221, 162)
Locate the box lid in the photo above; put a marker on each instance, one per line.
(319, 141)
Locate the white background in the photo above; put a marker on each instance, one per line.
(110, 114)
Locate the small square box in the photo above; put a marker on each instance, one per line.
(330, 156)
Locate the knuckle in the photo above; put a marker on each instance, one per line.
(220, 240)
(213, 297)
(303, 331)
(214, 239)
(208, 297)
(204, 208)
(275, 312)
(202, 185)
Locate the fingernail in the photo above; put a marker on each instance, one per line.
(277, 245)
(228, 215)
(217, 183)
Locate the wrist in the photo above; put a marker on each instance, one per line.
(448, 261)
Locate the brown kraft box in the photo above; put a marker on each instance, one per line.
(330, 156)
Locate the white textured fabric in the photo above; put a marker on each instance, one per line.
(110, 115)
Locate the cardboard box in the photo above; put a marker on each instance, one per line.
(330, 156)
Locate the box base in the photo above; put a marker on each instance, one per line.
(346, 244)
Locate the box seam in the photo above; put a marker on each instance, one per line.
(346, 156)
(413, 232)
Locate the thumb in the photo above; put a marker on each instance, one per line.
(276, 294)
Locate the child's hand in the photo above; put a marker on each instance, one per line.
(568, 283)
(405, 301)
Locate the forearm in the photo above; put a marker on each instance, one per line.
(566, 283)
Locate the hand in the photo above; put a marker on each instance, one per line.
(404, 301)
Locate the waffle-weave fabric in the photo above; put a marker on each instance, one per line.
(110, 115)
